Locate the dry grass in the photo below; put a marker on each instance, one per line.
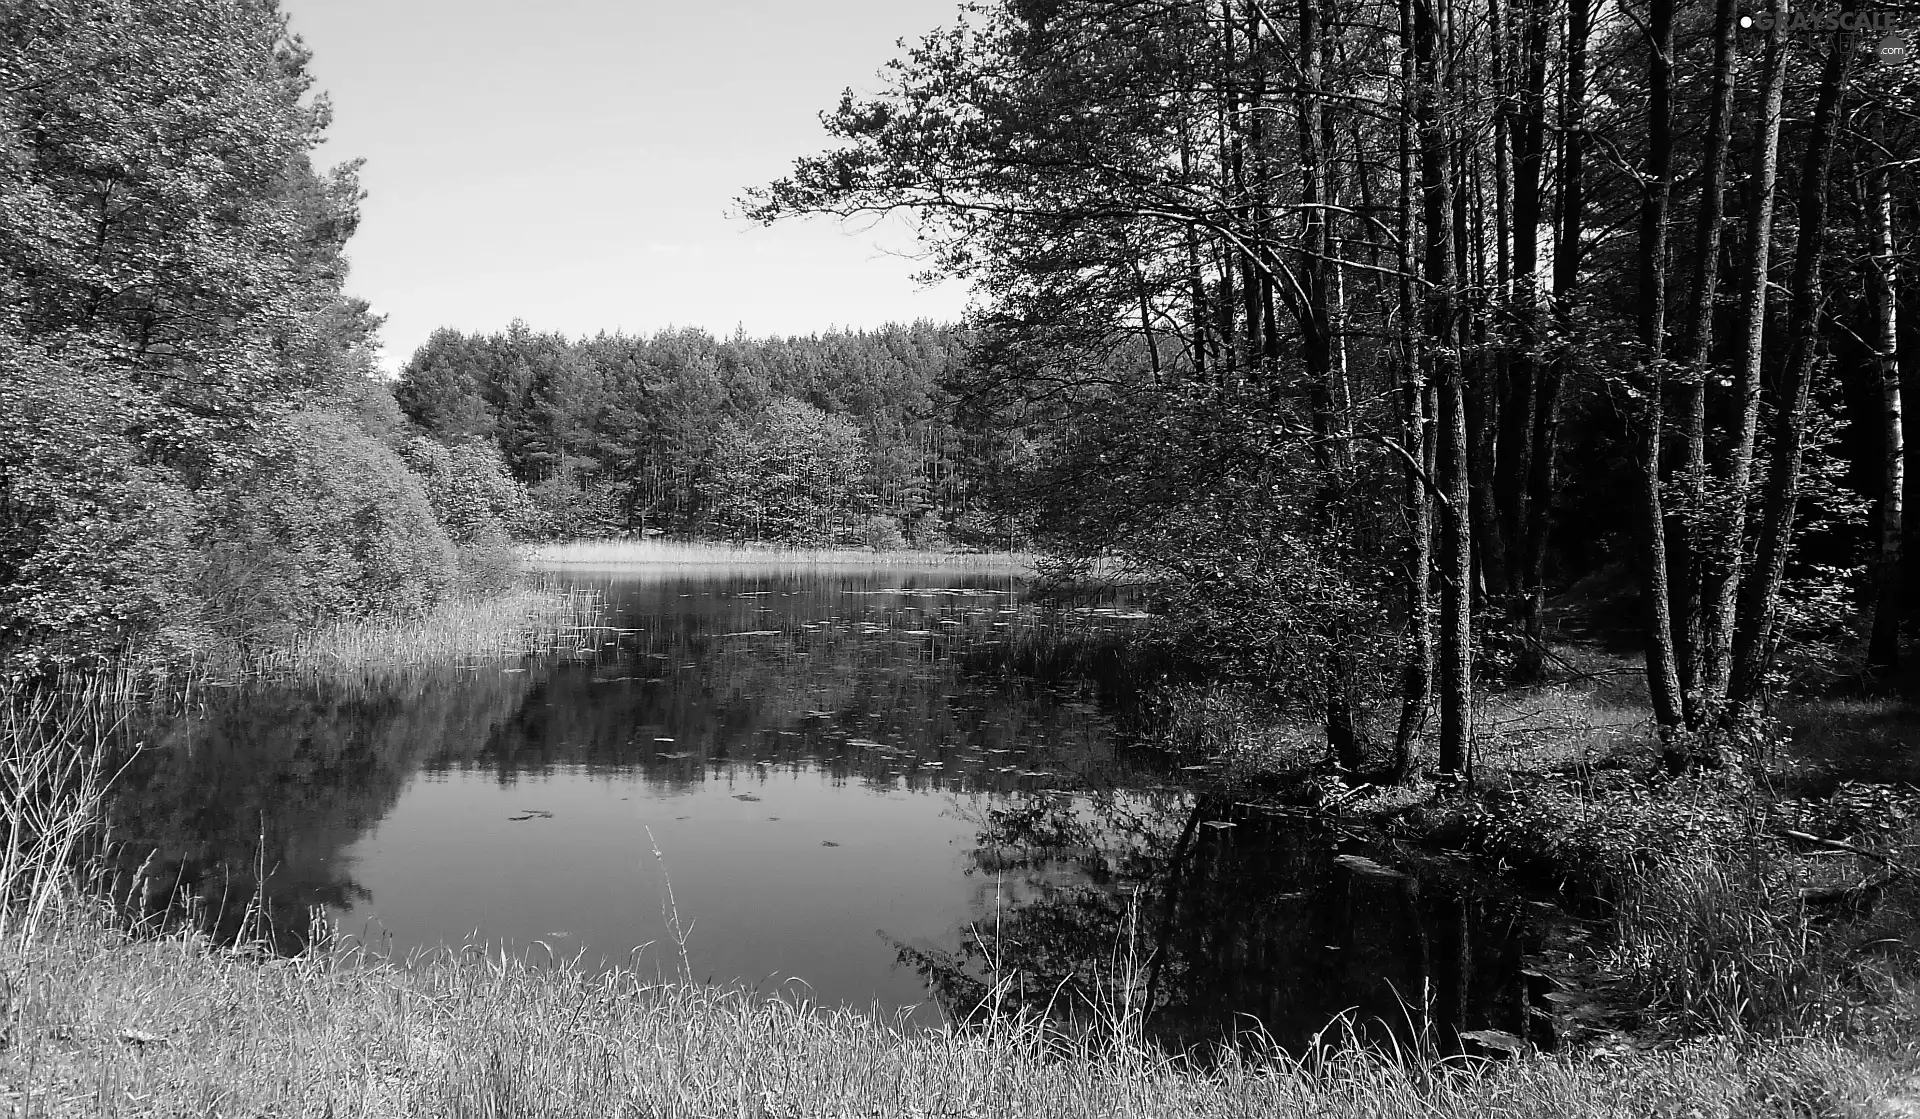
(105, 1026)
(613, 553)
(539, 619)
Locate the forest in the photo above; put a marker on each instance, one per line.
(1365, 331)
(842, 438)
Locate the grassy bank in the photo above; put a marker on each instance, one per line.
(540, 618)
(606, 553)
(1774, 895)
(100, 1025)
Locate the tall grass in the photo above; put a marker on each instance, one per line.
(53, 749)
(1719, 947)
(173, 1026)
(619, 552)
(538, 619)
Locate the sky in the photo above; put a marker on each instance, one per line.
(574, 163)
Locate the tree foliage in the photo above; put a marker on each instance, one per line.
(790, 477)
(683, 433)
(192, 446)
(1343, 310)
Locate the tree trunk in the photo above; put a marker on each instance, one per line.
(1883, 649)
(1443, 353)
(1760, 591)
(1543, 468)
(1690, 391)
(1416, 689)
(1663, 681)
(1525, 119)
(1722, 557)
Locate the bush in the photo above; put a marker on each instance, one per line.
(882, 533)
(95, 548)
(488, 566)
(473, 497)
(328, 523)
(481, 507)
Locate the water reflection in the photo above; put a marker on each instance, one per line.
(849, 787)
(1207, 918)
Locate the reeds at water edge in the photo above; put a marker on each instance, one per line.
(616, 552)
(537, 620)
(53, 751)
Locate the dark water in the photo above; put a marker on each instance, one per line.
(851, 793)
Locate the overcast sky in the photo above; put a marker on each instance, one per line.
(573, 162)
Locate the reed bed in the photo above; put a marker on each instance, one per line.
(107, 1026)
(53, 751)
(532, 620)
(607, 553)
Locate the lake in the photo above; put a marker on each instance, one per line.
(834, 782)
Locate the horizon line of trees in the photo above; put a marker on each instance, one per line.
(846, 437)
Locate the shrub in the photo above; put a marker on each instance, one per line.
(327, 523)
(882, 533)
(473, 497)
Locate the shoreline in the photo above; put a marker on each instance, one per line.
(650, 553)
(107, 1025)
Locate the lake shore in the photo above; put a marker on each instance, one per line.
(104, 1025)
(620, 553)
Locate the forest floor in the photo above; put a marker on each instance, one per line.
(100, 1024)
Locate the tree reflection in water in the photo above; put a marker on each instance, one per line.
(276, 782)
(1210, 920)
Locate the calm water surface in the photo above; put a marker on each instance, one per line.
(852, 795)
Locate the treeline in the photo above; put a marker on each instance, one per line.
(1370, 322)
(838, 438)
(195, 455)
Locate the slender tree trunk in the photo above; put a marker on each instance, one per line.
(1663, 680)
(1416, 690)
(1760, 591)
(1543, 478)
(1317, 344)
(1690, 390)
(1522, 121)
(1443, 346)
(1485, 370)
(1883, 649)
(1722, 557)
